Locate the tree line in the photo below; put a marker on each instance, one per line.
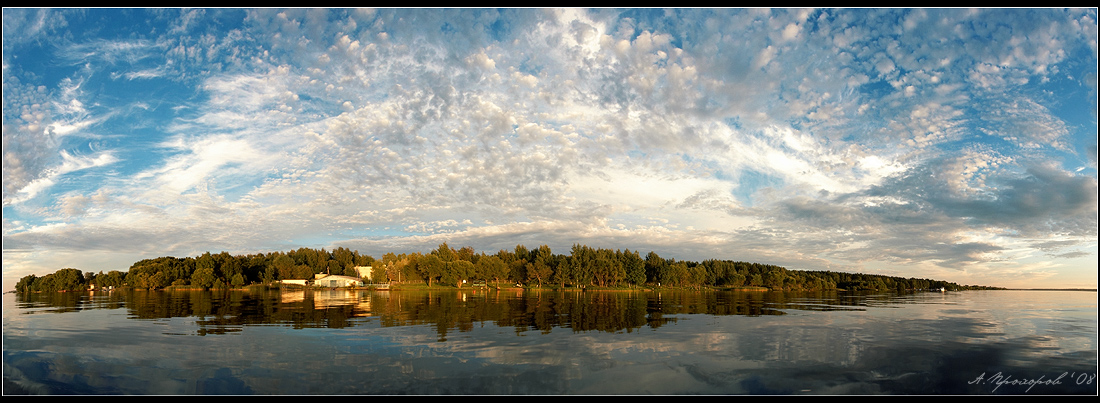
(583, 267)
(220, 270)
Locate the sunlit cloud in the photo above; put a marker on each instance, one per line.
(918, 142)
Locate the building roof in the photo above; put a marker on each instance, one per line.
(336, 277)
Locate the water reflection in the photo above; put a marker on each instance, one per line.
(513, 342)
(226, 311)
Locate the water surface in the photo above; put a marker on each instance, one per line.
(548, 342)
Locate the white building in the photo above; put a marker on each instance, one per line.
(337, 281)
(364, 272)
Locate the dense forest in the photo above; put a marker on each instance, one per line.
(583, 267)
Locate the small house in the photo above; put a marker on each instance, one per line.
(338, 281)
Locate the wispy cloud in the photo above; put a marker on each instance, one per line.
(893, 140)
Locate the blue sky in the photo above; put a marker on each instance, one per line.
(955, 144)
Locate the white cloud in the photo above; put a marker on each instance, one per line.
(49, 178)
(820, 138)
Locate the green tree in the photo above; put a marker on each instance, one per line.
(677, 274)
(583, 264)
(517, 268)
(345, 259)
(229, 266)
(407, 267)
(606, 269)
(457, 271)
(66, 280)
(283, 266)
(467, 254)
(735, 279)
(203, 276)
(430, 267)
(655, 266)
(542, 268)
(491, 267)
(112, 279)
(633, 267)
(537, 272)
(158, 280)
(389, 264)
(237, 280)
(303, 272)
(445, 253)
(563, 273)
(26, 284)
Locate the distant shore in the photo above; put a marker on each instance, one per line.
(424, 287)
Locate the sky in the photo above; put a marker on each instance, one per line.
(949, 144)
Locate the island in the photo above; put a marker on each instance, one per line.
(583, 268)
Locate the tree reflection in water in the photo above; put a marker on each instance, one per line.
(223, 311)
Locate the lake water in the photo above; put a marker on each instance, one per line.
(550, 343)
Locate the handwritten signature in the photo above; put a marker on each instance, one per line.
(1000, 379)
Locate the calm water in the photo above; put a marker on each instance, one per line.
(512, 342)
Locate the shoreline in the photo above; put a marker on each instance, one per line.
(411, 287)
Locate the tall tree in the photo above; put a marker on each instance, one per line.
(542, 266)
(583, 264)
(654, 265)
(26, 284)
(445, 253)
(457, 272)
(430, 267)
(563, 272)
(633, 266)
(284, 267)
(491, 267)
(203, 276)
